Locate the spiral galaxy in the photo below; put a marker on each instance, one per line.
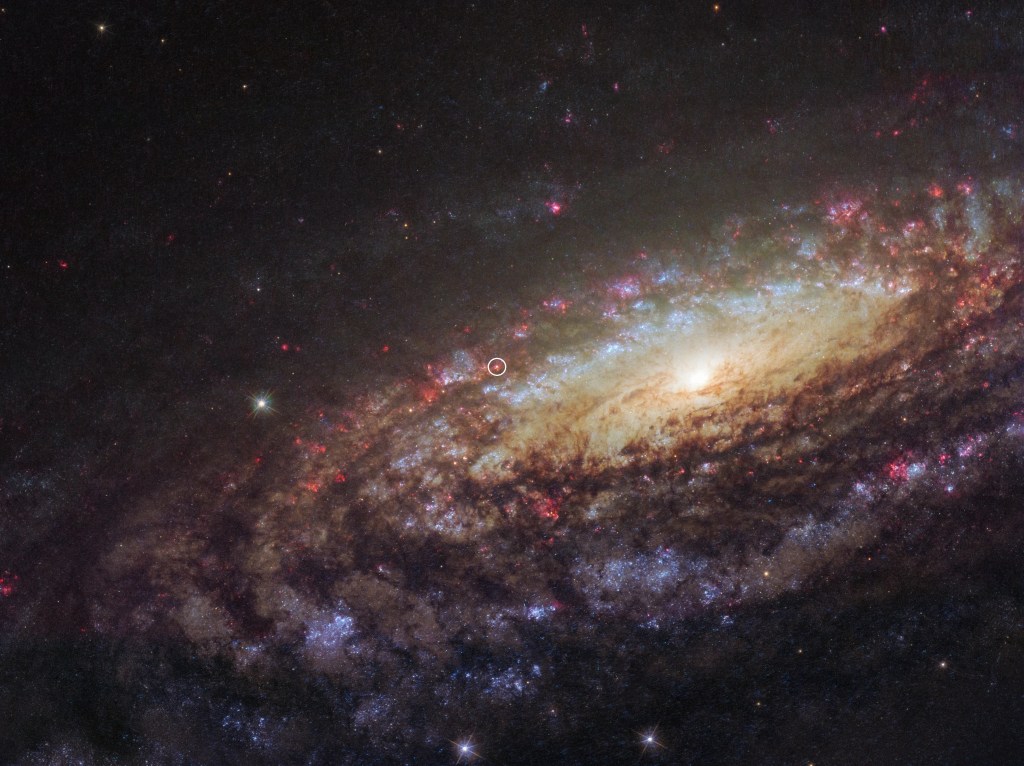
(666, 444)
(513, 384)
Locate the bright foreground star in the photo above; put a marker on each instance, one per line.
(465, 751)
(261, 404)
(649, 740)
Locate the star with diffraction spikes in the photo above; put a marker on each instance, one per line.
(261, 404)
(465, 750)
(649, 741)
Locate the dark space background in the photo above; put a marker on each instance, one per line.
(202, 201)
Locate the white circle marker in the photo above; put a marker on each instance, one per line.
(497, 367)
